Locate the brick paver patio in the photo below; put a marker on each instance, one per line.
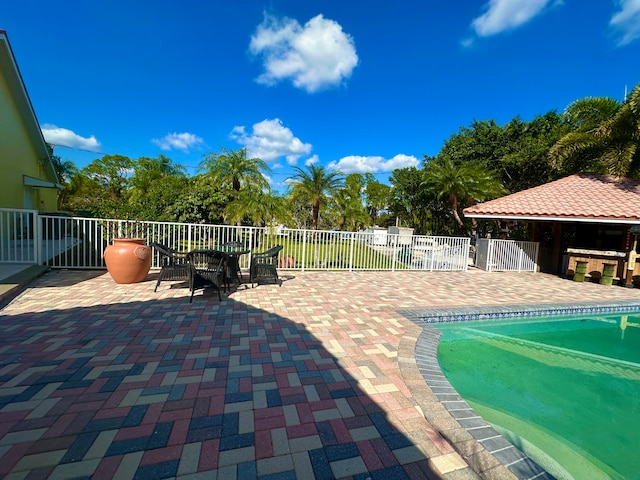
(313, 379)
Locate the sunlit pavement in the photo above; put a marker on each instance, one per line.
(312, 379)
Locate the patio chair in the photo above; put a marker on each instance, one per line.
(264, 266)
(207, 268)
(174, 264)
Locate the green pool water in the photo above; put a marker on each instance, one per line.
(566, 390)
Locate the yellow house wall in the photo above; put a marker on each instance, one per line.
(19, 157)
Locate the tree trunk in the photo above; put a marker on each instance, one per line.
(453, 200)
(315, 214)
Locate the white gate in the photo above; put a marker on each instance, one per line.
(495, 255)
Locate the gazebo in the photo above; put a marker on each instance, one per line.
(596, 216)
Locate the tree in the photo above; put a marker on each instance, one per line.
(612, 146)
(80, 195)
(67, 174)
(410, 203)
(111, 172)
(300, 213)
(234, 170)
(461, 184)
(199, 202)
(160, 199)
(587, 113)
(523, 159)
(65, 169)
(155, 183)
(517, 151)
(377, 197)
(147, 170)
(346, 205)
(262, 207)
(104, 189)
(314, 187)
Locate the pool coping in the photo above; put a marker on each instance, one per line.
(463, 416)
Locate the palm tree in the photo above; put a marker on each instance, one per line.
(314, 187)
(261, 206)
(587, 113)
(608, 146)
(67, 174)
(466, 183)
(346, 207)
(377, 197)
(234, 169)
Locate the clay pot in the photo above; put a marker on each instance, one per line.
(128, 260)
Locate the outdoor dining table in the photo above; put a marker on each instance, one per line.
(234, 253)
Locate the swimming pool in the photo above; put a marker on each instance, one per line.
(564, 389)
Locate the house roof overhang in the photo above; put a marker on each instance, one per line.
(9, 67)
(556, 219)
(39, 183)
(586, 198)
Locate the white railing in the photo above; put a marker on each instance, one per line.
(495, 255)
(330, 250)
(76, 242)
(19, 230)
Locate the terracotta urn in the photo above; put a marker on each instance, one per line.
(128, 260)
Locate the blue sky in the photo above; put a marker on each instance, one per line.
(359, 85)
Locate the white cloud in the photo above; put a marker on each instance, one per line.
(503, 15)
(315, 56)
(626, 21)
(270, 140)
(178, 141)
(67, 138)
(311, 160)
(467, 42)
(374, 164)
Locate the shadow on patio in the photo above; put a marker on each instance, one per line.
(160, 388)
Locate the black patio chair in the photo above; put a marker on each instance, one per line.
(264, 266)
(207, 268)
(174, 264)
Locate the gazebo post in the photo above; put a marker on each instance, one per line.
(631, 260)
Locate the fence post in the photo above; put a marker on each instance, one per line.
(466, 258)
(304, 248)
(490, 255)
(433, 254)
(395, 253)
(520, 256)
(351, 249)
(37, 236)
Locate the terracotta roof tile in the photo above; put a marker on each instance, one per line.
(577, 197)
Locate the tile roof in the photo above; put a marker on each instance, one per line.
(580, 197)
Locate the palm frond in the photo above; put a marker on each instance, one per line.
(570, 145)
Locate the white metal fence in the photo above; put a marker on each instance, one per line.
(18, 229)
(495, 255)
(76, 242)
